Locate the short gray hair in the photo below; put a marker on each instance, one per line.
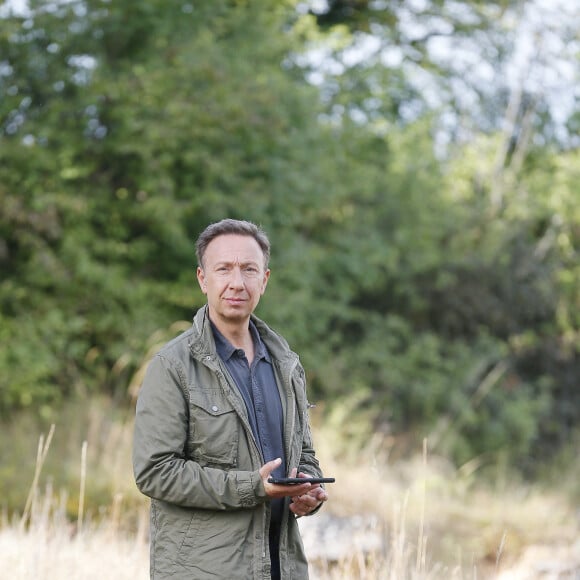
(231, 226)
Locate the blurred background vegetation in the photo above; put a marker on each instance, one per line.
(416, 165)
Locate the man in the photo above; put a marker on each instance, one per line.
(222, 407)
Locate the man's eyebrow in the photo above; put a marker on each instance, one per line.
(230, 263)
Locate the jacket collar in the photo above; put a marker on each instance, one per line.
(202, 343)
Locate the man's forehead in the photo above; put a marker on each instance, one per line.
(234, 248)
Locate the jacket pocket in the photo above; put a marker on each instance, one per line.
(217, 544)
(214, 428)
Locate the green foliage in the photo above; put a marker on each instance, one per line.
(436, 296)
(125, 160)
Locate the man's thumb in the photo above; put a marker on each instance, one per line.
(267, 468)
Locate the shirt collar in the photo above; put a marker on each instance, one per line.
(226, 349)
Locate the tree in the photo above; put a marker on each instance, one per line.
(432, 289)
(129, 144)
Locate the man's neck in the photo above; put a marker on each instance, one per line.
(238, 333)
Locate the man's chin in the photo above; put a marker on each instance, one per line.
(234, 314)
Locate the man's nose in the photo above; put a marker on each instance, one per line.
(236, 278)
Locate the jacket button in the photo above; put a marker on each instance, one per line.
(215, 408)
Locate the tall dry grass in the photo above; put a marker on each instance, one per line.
(50, 547)
(419, 519)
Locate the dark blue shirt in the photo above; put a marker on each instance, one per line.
(258, 387)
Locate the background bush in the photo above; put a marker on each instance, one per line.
(436, 287)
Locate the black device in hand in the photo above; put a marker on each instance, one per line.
(299, 480)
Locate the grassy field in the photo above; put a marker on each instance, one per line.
(70, 510)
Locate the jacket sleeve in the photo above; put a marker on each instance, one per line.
(308, 462)
(160, 465)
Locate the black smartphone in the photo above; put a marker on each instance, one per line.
(299, 480)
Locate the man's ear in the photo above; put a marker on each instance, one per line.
(265, 280)
(201, 279)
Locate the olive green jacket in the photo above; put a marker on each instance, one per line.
(195, 456)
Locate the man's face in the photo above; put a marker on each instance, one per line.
(233, 277)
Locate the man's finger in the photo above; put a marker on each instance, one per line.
(267, 468)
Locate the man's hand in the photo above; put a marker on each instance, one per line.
(305, 497)
(273, 490)
(304, 503)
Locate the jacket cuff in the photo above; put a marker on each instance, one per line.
(251, 488)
